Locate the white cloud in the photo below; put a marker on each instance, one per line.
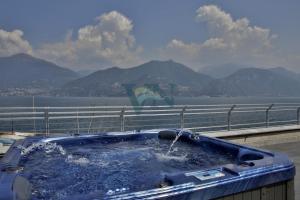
(106, 43)
(230, 41)
(189, 50)
(13, 43)
(110, 42)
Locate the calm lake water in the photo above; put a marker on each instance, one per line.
(102, 101)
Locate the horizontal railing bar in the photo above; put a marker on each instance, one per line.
(201, 109)
(251, 121)
(193, 117)
(81, 122)
(8, 123)
(274, 122)
(251, 108)
(84, 117)
(151, 115)
(152, 125)
(82, 112)
(206, 113)
(22, 113)
(22, 125)
(113, 111)
(20, 118)
(146, 120)
(83, 128)
(248, 111)
(275, 110)
(162, 106)
(92, 112)
(147, 111)
(204, 122)
(277, 107)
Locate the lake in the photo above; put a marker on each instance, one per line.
(120, 101)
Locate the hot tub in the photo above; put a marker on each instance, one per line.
(141, 165)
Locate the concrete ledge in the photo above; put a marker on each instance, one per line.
(260, 136)
(252, 131)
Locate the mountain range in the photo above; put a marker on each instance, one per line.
(256, 82)
(223, 70)
(110, 82)
(25, 73)
(22, 74)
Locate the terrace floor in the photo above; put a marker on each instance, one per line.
(292, 149)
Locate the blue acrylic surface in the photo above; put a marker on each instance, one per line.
(121, 166)
(114, 166)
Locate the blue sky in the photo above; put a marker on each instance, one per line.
(158, 29)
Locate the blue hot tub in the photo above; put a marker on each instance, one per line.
(137, 165)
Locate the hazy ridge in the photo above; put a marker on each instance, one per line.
(25, 75)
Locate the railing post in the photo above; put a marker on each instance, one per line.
(182, 117)
(33, 112)
(229, 117)
(298, 116)
(267, 114)
(12, 126)
(78, 127)
(46, 119)
(122, 120)
(90, 125)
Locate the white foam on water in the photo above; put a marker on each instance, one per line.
(163, 157)
(79, 161)
(47, 147)
(105, 159)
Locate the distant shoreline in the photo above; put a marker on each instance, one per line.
(8, 101)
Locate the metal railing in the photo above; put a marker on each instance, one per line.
(91, 119)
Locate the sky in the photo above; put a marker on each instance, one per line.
(98, 34)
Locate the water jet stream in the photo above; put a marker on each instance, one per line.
(174, 141)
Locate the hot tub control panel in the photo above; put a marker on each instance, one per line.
(206, 175)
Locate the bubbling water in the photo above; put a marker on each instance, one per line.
(48, 147)
(82, 161)
(110, 168)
